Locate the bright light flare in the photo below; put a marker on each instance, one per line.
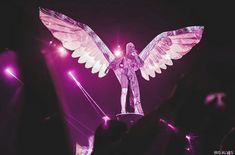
(62, 52)
(118, 52)
(217, 97)
(9, 72)
(70, 73)
(189, 148)
(171, 126)
(188, 137)
(106, 119)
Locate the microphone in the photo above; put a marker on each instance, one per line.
(133, 52)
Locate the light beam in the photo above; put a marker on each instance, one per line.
(10, 72)
(190, 138)
(86, 94)
(171, 126)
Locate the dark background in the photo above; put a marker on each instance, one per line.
(209, 66)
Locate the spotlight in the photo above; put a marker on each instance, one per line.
(70, 73)
(50, 42)
(188, 149)
(88, 96)
(118, 52)
(106, 119)
(188, 137)
(169, 125)
(9, 72)
(217, 97)
(62, 51)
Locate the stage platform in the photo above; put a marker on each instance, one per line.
(129, 118)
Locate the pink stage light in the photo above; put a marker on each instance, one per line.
(189, 138)
(62, 51)
(217, 97)
(188, 149)
(106, 119)
(9, 72)
(118, 52)
(74, 79)
(50, 42)
(172, 127)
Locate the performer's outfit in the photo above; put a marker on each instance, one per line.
(88, 48)
(125, 68)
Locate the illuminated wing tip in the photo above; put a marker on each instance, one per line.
(45, 11)
(144, 75)
(101, 74)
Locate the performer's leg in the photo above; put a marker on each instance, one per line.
(124, 85)
(136, 95)
(123, 100)
(138, 107)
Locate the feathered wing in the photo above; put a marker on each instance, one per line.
(80, 38)
(166, 47)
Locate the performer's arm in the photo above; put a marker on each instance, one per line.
(113, 65)
(139, 62)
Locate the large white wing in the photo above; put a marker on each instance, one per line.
(167, 46)
(80, 38)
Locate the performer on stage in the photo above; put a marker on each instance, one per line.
(91, 50)
(124, 69)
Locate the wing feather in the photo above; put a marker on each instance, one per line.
(102, 71)
(83, 58)
(90, 63)
(87, 47)
(96, 67)
(168, 46)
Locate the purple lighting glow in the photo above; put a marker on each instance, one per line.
(74, 79)
(106, 119)
(189, 140)
(172, 127)
(9, 72)
(217, 97)
(62, 52)
(118, 52)
(188, 137)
